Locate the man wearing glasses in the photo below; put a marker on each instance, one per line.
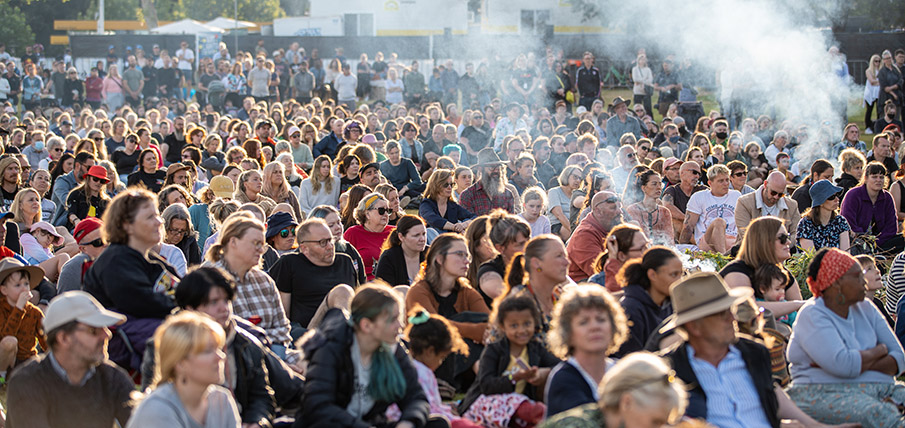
(710, 214)
(676, 197)
(768, 200)
(74, 383)
(308, 278)
(588, 239)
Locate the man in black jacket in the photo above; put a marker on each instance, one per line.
(729, 377)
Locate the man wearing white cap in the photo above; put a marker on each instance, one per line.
(301, 153)
(73, 384)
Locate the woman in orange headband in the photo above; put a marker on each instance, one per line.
(843, 356)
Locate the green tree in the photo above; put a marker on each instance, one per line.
(15, 31)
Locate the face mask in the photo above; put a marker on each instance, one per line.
(674, 139)
(39, 145)
(722, 135)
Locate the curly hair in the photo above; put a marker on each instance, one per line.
(585, 296)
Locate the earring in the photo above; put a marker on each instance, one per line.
(539, 270)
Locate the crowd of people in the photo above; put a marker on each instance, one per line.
(262, 243)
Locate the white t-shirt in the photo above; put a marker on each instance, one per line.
(345, 87)
(188, 57)
(394, 97)
(710, 208)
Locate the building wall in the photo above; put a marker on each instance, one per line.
(505, 17)
(403, 17)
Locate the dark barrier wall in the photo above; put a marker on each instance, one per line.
(857, 46)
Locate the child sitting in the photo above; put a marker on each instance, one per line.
(874, 282)
(37, 246)
(20, 321)
(534, 203)
(431, 339)
(770, 284)
(512, 370)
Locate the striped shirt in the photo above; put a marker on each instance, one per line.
(895, 283)
(732, 400)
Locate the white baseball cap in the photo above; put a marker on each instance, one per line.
(79, 306)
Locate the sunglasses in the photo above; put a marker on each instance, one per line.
(776, 194)
(448, 185)
(740, 174)
(285, 233)
(97, 243)
(381, 210)
(783, 238)
(630, 156)
(835, 196)
(645, 148)
(98, 139)
(93, 178)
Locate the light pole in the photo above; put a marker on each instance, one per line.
(236, 28)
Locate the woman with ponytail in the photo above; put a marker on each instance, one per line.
(540, 271)
(356, 368)
(645, 284)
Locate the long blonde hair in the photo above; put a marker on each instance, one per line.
(180, 337)
(16, 207)
(280, 192)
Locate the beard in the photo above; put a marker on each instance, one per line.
(494, 183)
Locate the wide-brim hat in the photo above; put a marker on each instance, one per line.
(488, 158)
(97, 172)
(11, 264)
(617, 101)
(47, 227)
(821, 191)
(700, 295)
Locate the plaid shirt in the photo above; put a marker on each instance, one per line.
(475, 199)
(257, 295)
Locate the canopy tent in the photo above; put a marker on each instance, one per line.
(228, 24)
(186, 26)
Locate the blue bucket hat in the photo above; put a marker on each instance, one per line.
(821, 191)
(279, 221)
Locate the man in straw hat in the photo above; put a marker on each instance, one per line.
(491, 190)
(73, 384)
(730, 376)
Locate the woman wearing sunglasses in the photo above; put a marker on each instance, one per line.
(821, 226)
(368, 236)
(765, 241)
(280, 237)
(89, 199)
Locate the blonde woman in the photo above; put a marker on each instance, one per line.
(276, 187)
(186, 390)
(321, 187)
(871, 92)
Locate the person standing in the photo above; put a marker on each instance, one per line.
(133, 82)
(345, 85)
(588, 81)
(643, 80)
(259, 80)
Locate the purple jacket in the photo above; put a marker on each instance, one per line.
(878, 218)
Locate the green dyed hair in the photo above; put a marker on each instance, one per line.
(387, 382)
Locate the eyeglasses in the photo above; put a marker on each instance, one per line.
(177, 231)
(97, 243)
(381, 210)
(285, 233)
(321, 242)
(462, 254)
(783, 238)
(740, 174)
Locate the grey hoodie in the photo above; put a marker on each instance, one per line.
(162, 408)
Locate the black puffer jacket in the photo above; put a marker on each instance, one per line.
(288, 386)
(331, 376)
